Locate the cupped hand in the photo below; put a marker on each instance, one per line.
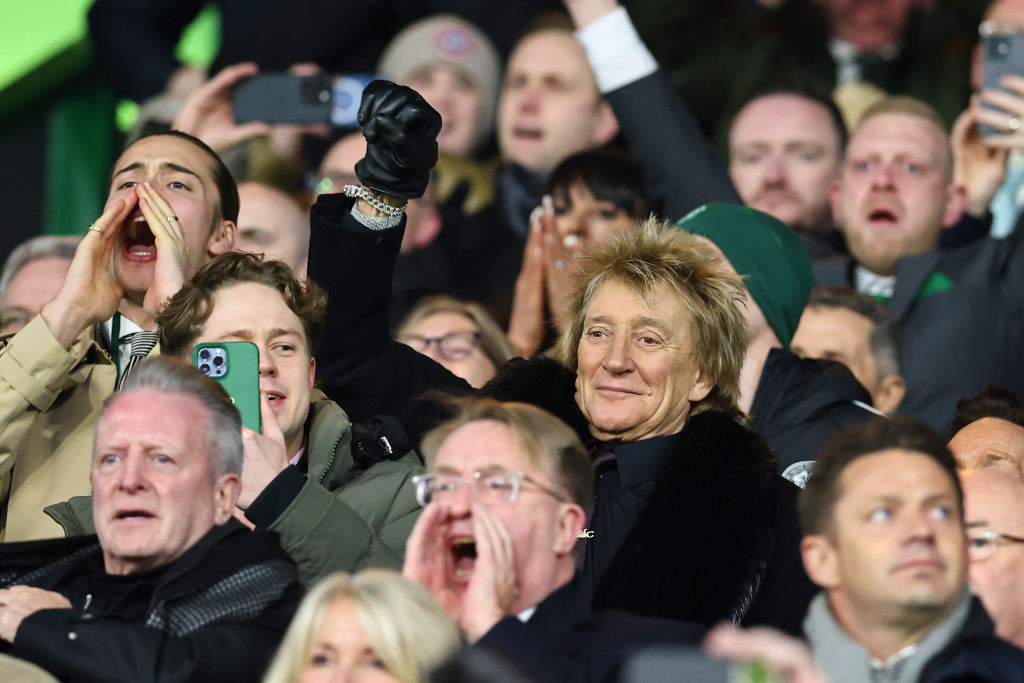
(171, 249)
(425, 557)
(492, 588)
(89, 295)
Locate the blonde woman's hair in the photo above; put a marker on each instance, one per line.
(493, 342)
(656, 259)
(402, 622)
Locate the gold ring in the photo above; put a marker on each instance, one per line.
(1013, 124)
(175, 218)
(95, 228)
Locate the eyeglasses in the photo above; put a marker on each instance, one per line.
(453, 346)
(982, 543)
(498, 486)
(991, 27)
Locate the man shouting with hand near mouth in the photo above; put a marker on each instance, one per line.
(172, 206)
(504, 501)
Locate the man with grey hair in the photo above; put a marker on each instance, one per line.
(31, 277)
(183, 590)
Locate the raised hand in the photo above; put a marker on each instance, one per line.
(265, 455)
(401, 135)
(88, 295)
(586, 12)
(559, 267)
(208, 114)
(526, 324)
(171, 248)
(978, 166)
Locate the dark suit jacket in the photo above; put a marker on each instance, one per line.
(961, 317)
(565, 641)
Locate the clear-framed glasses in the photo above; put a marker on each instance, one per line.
(454, 346)
(500, 486)
(982, 543)
(991, 27)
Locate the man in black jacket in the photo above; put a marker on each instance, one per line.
(794, 403)
(171, 587)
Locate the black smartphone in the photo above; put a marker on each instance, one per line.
(1002, 55)
(286, 98)
(236, 366)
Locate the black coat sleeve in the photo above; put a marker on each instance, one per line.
(135, 41)
(682, 168)
(361, 367)
(78, 647)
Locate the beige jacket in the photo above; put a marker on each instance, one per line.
(50, 400)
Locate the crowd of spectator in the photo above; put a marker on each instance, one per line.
(542, 386)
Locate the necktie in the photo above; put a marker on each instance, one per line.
(142, 343)
(603, 459)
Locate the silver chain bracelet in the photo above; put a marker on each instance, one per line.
(360, 192)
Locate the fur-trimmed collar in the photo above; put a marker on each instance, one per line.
(699, 549)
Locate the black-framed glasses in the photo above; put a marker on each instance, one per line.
(982, 543)
(454, 346)
(500, 486)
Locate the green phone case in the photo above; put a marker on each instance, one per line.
(239, 374)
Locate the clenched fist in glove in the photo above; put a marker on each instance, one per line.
(401, 134)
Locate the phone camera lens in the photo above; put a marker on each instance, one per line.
(218, 361)
(204, 354)
(205, 369)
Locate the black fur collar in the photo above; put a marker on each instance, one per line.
(701, 546)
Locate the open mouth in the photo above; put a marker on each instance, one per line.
(463, 555)
(139, 241)
(883, 216)
(273, 398)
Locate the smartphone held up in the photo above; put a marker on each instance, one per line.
(236, 366)
(287, 98)
(1002, 55)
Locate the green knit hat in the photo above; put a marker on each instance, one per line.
(775, 263)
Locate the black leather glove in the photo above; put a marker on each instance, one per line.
(401, 135)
